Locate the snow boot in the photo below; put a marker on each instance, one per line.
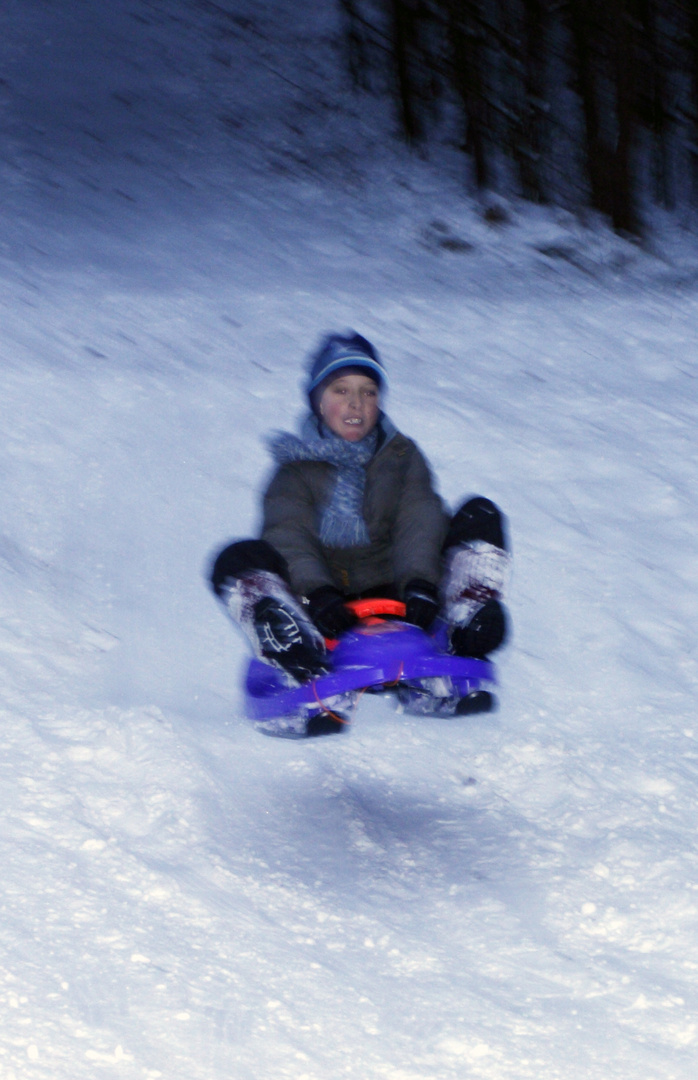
(325, 723)
(278, 629)
(477, 701)
(477, 571)
(477, 519)
(436, 697)
(284, 640)
(485, 632)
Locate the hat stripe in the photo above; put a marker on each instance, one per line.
(357, 360)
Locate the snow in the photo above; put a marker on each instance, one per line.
(505, 897)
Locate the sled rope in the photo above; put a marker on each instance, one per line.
(396, 680)
(334, 715)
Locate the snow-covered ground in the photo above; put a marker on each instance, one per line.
(189, 201)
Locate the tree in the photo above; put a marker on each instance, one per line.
(508, 66)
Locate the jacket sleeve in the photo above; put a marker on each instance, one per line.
(290, 526)
(420, 525)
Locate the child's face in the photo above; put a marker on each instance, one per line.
(350, 406)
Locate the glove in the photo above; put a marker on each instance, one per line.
(421, 603)
(328, 611)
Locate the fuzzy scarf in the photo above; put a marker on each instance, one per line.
(342, 523)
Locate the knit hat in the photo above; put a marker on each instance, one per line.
(339, 351)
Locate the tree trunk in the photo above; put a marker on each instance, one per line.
(405, 38)
(692, 35)
(624, 214)
(655, 113)
(465, 31)
(608, 151)
(355, 44)
(533, 47)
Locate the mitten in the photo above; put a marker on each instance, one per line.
(421, 603)
(329, 612)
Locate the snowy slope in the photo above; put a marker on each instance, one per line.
(187, 208)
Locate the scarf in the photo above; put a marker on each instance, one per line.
(341, 523)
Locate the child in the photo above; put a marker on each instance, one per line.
(351, 512)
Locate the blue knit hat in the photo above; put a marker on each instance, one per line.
(339, 351)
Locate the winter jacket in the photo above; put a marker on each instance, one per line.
(405, 517)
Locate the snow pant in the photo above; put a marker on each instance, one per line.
(476, 564)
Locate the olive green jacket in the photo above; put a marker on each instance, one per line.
(405, 518)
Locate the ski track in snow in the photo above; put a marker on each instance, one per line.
(511, 897)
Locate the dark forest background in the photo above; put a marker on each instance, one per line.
(571, 102)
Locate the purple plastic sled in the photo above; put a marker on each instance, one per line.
(378, 654)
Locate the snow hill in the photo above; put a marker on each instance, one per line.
(191, 196)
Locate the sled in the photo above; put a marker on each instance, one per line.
(382, 653)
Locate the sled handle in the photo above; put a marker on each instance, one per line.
(377, 605)
(367, 609)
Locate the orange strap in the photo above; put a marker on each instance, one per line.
(334, 715)
(366, 609)
(376, 605)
